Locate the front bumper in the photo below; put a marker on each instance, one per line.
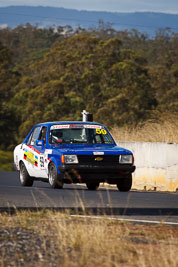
(97, 168)
(83, 173)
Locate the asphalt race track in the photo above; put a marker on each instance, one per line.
(78, 199)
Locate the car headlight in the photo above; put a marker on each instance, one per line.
(126, 159)
(69, 159)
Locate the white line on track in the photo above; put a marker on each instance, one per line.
(125, 220)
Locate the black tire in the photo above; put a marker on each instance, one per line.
(25, 178)
(125, 184)
(92, 186)
(55, 179)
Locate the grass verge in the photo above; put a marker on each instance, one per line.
(47, 238)
(6, 160)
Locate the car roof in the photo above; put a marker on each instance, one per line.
(67, 122)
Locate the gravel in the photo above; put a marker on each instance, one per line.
(23, 247)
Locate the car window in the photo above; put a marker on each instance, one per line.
(98, 139)
(29, 139)
(42, 135)
(79, 133)
(33, 137)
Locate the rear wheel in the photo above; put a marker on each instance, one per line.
(125, 184)
(92, 186)
(55, 179)
(25, 178)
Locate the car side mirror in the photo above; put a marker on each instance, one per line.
(40, 142)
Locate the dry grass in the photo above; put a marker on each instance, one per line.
(55, 239)
(165, 130)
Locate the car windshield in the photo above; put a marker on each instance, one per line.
(80, 134)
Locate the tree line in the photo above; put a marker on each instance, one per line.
(122, 77)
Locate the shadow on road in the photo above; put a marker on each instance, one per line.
(100, 211)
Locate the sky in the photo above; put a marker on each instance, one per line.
(165, 6)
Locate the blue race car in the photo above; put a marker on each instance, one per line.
(73, 152)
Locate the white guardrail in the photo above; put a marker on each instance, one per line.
(156, 165)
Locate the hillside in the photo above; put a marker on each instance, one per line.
(124, 78)
(148, 22)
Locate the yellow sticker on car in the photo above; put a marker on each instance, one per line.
(101, 131)
(30, 157)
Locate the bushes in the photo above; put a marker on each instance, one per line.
(6, 161)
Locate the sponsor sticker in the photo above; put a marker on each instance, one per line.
(30, 157)
(48, 151)
(76, 126)
(98, 153)
(93, 126)
(62, 126)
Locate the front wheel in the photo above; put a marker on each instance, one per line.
(125, 184)
(55, 180)
(92, 186)
(25, 178)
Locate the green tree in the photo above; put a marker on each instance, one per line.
(8, 118)
(86, 72)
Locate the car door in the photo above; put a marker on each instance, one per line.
(42, 168)
(30, 154)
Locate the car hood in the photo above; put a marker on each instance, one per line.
(90, 149)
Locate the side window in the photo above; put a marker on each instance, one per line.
(29, 138)
(42, 135)
(33, 137)
(98, 139)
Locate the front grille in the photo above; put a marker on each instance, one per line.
(92, 159)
